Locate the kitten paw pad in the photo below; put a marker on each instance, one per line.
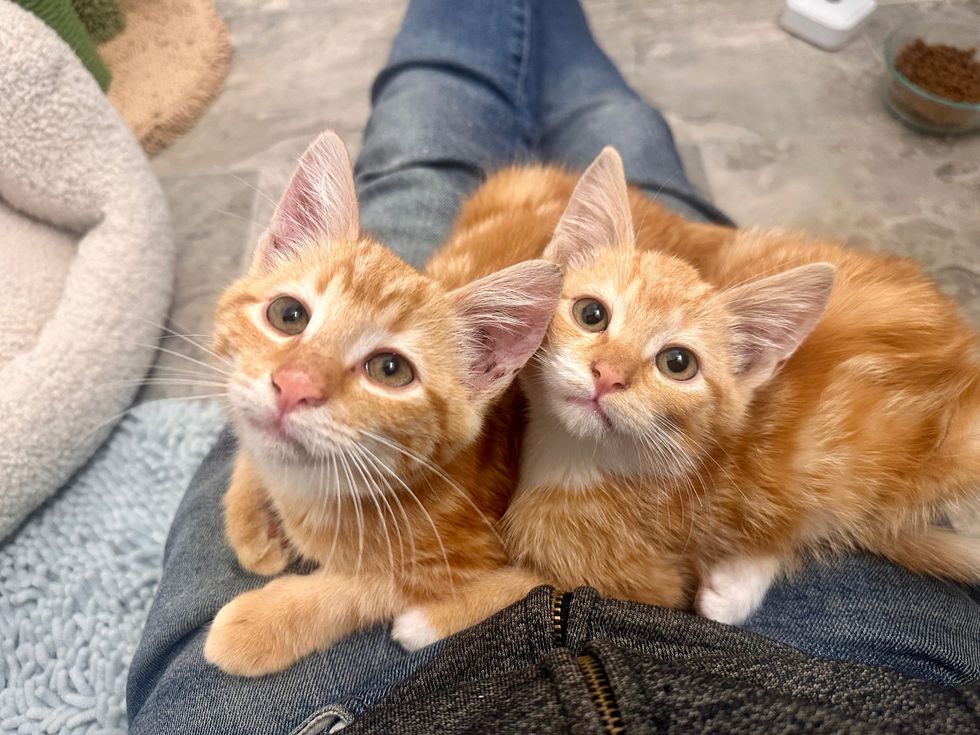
(413, 630)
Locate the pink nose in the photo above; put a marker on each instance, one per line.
(295, 387)
(608, 377)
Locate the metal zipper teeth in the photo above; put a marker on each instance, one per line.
(601, 691)
(596, 679)
(557, 617)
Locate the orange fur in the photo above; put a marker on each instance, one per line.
(393, 492)
(860, 438)
(513, 215)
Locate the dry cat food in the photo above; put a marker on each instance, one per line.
(945, 71)
(941, 70)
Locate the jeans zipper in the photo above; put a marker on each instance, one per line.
(596, 678)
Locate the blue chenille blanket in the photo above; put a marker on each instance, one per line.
(77, 579)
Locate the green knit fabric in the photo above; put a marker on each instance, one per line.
(103, 19)
(61, 16)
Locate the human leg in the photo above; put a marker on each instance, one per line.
(454, 103)
(865, 609)
(172, 689)
(585, 104)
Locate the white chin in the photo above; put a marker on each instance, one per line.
(582, 421)
(270, 448)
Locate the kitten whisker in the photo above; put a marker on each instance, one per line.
(258, 191)
(369, 460)
(171, 333)
(342, 456)
(398, 447)
(661, 460)
(182, 356)
(236, 216)
(721, 292)
(692, 491)
(178, 370)
(731, 480)
(432, 523)
(661, 188)
(338, 503)
(376, 461)
(121, 414)
(166, 381)
(371, 488)
(321, 507)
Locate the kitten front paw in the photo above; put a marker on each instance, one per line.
(722, 606)
(268, 554)
(257, 540)
(732, 590)
(245, 639)
(413, 630)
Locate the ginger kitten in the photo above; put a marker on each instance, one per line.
(373, 414)
(693, 432)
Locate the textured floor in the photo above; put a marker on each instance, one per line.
(776, 131)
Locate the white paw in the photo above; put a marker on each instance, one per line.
(733, 589)
(412, 630)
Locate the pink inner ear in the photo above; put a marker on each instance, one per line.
(503, 352)
(774, 315)
(504, 318)
(319, 203)
(297, 216)
(597, 215)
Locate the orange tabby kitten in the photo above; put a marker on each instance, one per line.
(372, 408)
(692, 434)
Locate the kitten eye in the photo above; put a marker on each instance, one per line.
(389, 369)
(591, 315)
(677, 363)
(287, 315)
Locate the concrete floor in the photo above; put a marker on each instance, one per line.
(777, 132)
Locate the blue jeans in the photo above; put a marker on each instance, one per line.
(472, 85)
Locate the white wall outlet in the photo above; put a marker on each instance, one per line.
(828, 24)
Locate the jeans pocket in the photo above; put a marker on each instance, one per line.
(332, 718)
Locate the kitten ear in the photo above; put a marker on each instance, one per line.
(503, 318)
(320, 203)
(774, 315)
(597, 216)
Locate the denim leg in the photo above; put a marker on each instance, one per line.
(172, 689)
(585, 104)
(453, 104)
(864, 609)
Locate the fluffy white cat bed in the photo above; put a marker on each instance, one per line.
(86, 264)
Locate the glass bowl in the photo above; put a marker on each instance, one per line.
(916, 107)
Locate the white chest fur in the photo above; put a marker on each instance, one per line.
(552, 457)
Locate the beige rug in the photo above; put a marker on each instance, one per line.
(167, 66)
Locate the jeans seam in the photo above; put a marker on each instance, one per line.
(521, 55)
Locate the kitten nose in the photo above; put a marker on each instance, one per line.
(608, 377)
(295, 387)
